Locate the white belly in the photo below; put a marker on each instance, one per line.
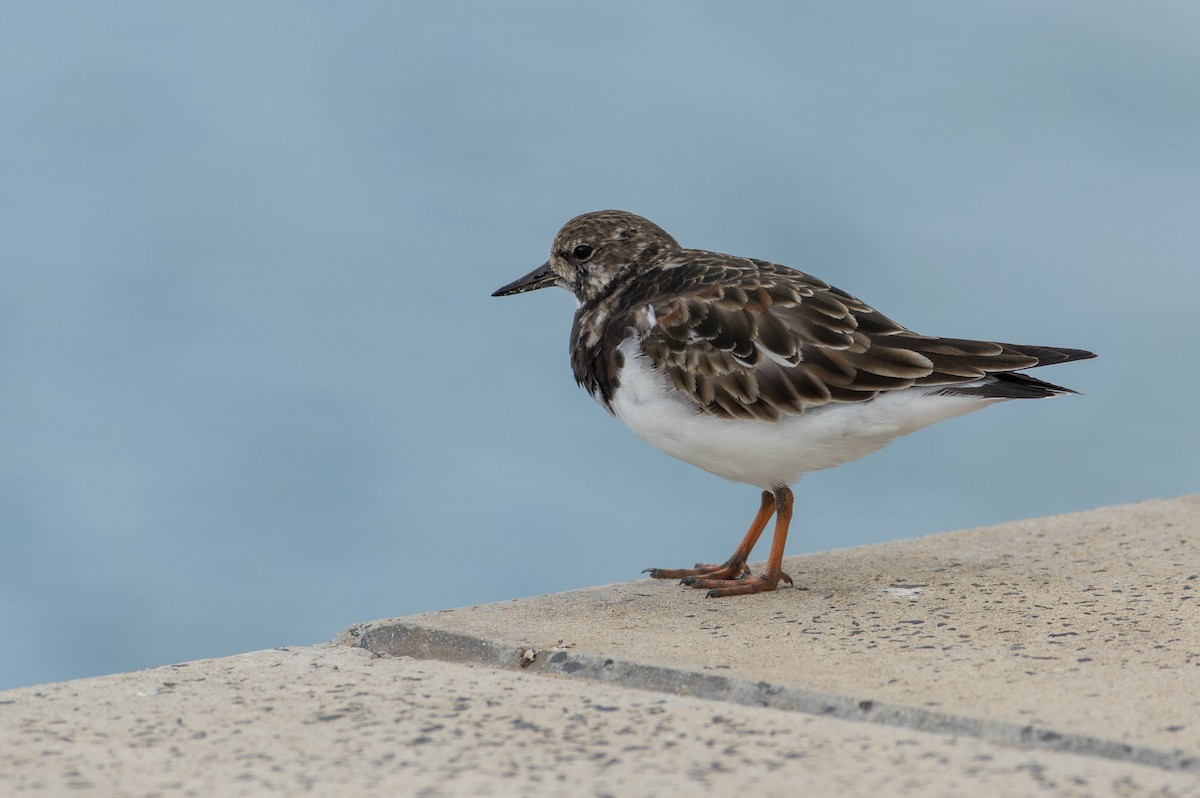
(771, 454)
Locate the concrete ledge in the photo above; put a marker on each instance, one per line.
(1056, 656)
(1078, 633)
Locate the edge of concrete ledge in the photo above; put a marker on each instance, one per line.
(400, 638)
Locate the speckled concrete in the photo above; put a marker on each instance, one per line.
(336, 721)
(1083, 627)
(1056, 657)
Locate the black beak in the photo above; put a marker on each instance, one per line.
(541, 277)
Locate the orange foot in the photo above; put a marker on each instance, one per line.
(728, 570)
(737, 587)
(733, 577)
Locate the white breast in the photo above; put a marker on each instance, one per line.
(770, 454)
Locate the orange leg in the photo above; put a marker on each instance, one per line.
(733, 577)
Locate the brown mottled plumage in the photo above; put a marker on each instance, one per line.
(739, 340)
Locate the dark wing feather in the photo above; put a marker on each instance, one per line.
(750, 339)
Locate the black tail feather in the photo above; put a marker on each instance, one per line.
(1008, 385)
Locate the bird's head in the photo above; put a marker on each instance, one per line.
(592, 251)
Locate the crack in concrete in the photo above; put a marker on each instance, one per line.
(412, 640)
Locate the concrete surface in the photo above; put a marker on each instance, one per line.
(1056, 656)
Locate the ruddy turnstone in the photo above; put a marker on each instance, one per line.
(756, 372)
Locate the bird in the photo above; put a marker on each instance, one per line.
(757, 372)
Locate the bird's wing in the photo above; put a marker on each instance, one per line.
(751, 339)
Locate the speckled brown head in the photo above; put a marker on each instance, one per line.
(593, 251)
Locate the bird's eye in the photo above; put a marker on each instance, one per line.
(582, 252)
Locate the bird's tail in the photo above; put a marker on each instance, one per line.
(1018, 385)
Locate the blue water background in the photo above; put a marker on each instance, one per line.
(253, 388)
